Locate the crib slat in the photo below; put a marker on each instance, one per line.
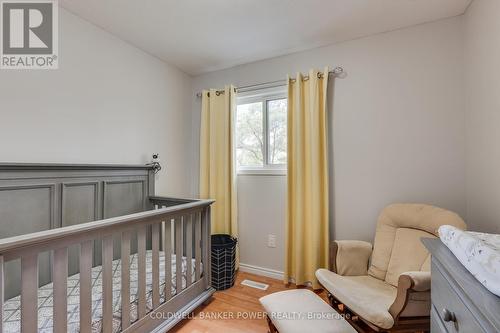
(167, 241)
(189, 250)
(107, 284)
(86, 286)
(205, 252)
(155, 248)
(60, 283)
(1, 293)
(141, 253)
(162, 233)
(178, 255)
(208, 245)
(197, 246)
(29, 293)
(125, 279)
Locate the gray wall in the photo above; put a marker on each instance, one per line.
(482, 81)
(398, 131)
(109, 102)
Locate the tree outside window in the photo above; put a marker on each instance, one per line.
(261, 133)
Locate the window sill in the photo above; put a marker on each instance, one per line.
(261, 172)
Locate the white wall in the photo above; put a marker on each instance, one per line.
(482, 81)
(107, 103)
(398, 132)
(261, 210)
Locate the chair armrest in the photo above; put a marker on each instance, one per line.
(420, 280)
(350, 257)
(409, 282)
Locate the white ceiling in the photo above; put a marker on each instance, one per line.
(205, 35)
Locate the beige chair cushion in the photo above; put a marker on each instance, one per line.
(352, 257)
(408, 253)
(301, 310)
(409, 216)
(367, 296)
(426, 266)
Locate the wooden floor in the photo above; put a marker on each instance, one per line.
(234, 310)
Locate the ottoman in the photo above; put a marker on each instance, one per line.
(301, 310)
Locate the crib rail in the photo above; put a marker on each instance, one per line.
(175, 226)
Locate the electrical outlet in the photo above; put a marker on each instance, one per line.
(271, 240)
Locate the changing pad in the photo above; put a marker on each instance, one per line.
(478, 252)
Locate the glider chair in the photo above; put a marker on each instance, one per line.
(387, 289)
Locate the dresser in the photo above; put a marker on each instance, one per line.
(459, 302)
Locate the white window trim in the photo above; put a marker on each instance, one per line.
(264, 171)
(264, 97)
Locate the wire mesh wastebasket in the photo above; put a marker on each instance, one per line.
(223, 261)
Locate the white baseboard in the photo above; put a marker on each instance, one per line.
(267, 272)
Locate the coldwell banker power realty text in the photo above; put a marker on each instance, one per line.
(29, 34)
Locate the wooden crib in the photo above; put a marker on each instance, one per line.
(139, 262)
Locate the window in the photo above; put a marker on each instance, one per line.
(261, 133)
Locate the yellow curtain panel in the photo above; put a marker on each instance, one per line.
(217, 168)
(307, 205)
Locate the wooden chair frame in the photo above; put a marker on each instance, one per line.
(401, 324)
(406, 324)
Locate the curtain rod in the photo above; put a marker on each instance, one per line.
(272, 84)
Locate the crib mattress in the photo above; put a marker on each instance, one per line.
(12, 307)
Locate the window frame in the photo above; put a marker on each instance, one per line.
(263, 97)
